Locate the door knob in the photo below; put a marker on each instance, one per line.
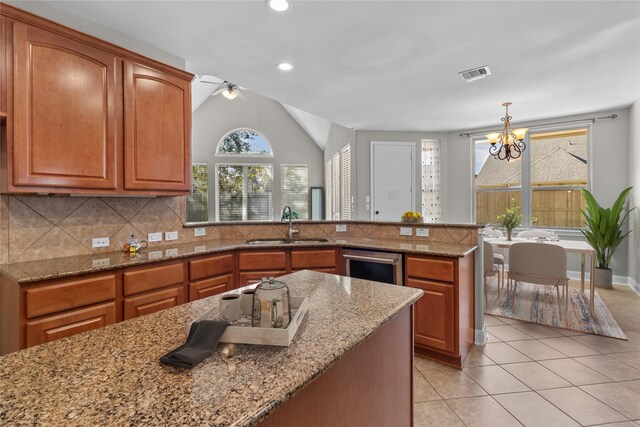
(377, 212)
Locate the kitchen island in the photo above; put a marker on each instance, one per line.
(350, 364)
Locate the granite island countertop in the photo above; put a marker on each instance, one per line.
(112, 376)
(35, 271)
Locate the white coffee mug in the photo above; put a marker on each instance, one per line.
(246, 302)
(230, 307)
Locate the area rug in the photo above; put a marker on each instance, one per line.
(538, 304)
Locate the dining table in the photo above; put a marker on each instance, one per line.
(572, 247)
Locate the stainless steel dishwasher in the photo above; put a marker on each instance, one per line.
(373, 265)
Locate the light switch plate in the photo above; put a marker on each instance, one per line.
(171, 252)
(154, 237)
(341, 228)
(199, 232)
(406, 231)
(102, 262)
(422, 232)
(101, 242)
(171, 235)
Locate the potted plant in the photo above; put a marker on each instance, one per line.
(604, 233)
(511, 219)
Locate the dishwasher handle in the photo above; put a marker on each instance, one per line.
(370, 259)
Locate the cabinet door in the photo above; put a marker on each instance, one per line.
(209, 287)
(67, 324)
(151, 302)
(157, 130)
(65, 126)
(434, 315)
(313, 259)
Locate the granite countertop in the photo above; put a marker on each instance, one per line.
(34, 271)
(112, 376)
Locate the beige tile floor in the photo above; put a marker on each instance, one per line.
(534, 375)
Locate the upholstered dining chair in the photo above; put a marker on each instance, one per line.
(492, 268)
(539, 263)
(533, 234)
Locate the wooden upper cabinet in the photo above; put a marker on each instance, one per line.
(157, 130)
(64, 108)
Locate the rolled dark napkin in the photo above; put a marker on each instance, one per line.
(201, 343)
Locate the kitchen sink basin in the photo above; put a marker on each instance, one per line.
(285, 241)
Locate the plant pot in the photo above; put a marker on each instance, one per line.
(603, 278)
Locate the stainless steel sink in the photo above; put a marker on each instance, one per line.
(285, 241)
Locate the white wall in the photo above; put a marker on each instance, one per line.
(290, 143)
(634, 180)
(71, 20)
(610, 170)
(363, 164)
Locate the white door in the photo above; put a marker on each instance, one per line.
(392, 178)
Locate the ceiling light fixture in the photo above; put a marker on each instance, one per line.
(279, 5)
(510, 142)
(229, 93)
(285, 66)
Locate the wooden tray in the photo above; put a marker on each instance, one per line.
(245, 334)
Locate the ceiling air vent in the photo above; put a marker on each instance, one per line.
(475, 73)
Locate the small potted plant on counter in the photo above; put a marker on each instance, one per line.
(604, 233)
(511, 219)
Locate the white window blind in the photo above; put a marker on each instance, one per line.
(294, 189)
(431, 183)
(335, 187)
(346, 182)
(328, 202)
(245, 192)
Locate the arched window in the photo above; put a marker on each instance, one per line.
(245, 142)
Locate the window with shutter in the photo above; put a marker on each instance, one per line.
(294, 189)
(335, 187)
(198, 201)
(245, 192)
(328, 194)
(346, 182)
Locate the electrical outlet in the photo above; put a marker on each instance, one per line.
(102, 262)
(422, 232)
(171, 252)
(341, 228)
(154, 237)
(406, 231)
(171, 235)
(101, 242)
(154, 254)
(199, 232)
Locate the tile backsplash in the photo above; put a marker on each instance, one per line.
(45, 227)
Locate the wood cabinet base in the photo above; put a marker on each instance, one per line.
(370, 386)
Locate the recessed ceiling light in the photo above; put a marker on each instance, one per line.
(279, 5)
(285, 66)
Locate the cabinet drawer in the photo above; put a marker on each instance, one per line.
(431, 268)
(434, 315)
(65, 296)
(151, 302)
(315, 258)
(208, 267)
(209, 287)
(262, 260)
(152, 278)
(65, 325)
(250, 277)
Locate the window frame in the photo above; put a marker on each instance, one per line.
(525, 187)
(244, 206)
(244, 155)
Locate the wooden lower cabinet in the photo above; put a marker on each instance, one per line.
(64, 325)
(444, 327)
(210, 287)
(434, 315)
(150, 302)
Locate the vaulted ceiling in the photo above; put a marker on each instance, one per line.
(392, 65)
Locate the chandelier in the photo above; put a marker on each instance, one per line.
(507, 144)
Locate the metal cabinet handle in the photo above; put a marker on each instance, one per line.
(370, 259)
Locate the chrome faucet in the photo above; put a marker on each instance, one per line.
(292, 231)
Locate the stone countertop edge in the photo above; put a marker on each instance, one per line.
(64, 267)
(225, 410)
(351, 221)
